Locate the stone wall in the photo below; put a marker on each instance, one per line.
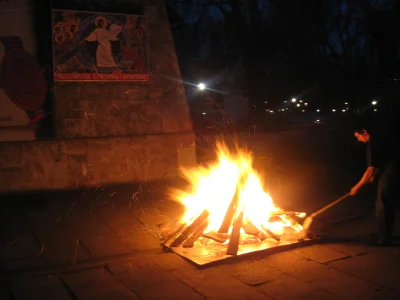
(111, 132)
(76, 163)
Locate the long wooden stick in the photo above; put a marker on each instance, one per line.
(189, 243)
(233, 245)
(270, 233)
(230, 213)
(190, 229)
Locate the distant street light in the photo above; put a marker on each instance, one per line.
(294, 100)
(201, 86)
(346, 103)
(343, 110)
(318, 110)
(333, 110)
(374, 102)
(298, 104)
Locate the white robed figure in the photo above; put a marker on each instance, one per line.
(104, 57)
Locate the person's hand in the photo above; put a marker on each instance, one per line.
(354, 190)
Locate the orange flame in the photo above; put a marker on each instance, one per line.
(213, 187)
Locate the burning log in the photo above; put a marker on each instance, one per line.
(261, 236)
(168, 234)
(190, 229)
(275, 218)
(233, 245)
(216, 236)
(189, 243)
(249, 228)
(270, 233)
(226, 223)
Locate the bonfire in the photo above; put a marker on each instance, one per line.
(228, 212)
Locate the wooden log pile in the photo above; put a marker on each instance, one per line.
(189, 233)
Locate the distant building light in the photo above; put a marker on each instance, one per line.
(375, 109)
(204, 113)
(343, 110)
(374, 102)
(294, 100)
(305, 104)
(333, 110)
(318, 110)
(303, 110)
(346, 103)
(301, 101)
(287, 108)
(285, 101)
(298, 104)
(265, 102)
(271, 111)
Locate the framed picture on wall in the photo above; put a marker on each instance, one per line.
(91, 46)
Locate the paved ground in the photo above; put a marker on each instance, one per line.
(103, 244)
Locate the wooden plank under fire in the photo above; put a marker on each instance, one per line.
(190, 229)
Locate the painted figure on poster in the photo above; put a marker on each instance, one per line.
(104, 37)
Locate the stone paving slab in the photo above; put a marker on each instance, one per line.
(320, 253)
(214, 283)
(22, 246)
(140, 241)
(48, 287)
(105, 244)
(24, 263)
(286, 287)
(305, 270)
(13, 224)
(86, 221)
(344, 285)
(63, 248)
(97, 283)
(171, 261)
(149, 281)
(375, 267)
(252, 272)
(119, 214)
(383, 295)
(352, 249)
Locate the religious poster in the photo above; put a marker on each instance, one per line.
(90, 46)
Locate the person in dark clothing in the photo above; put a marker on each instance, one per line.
(381, 167)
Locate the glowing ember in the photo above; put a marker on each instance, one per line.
(232, 180)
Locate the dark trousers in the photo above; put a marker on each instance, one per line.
(386, 203)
